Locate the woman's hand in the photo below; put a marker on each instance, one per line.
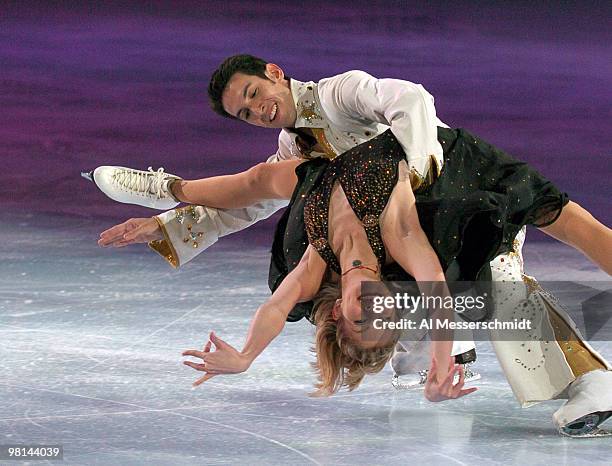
(225, 359)
(442, 387)
(134, 230)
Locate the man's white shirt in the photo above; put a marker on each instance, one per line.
(345, 110)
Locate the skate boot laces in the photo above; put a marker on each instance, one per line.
(140, 182)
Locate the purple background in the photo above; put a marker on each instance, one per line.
(125, 85)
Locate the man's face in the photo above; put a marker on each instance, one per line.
(261, 102)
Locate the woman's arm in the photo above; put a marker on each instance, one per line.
(408, 245)
(403, 236)
(263, 181)
(300, 285)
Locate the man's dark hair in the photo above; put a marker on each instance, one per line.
(246, 64)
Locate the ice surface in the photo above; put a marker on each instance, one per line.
(90, 344)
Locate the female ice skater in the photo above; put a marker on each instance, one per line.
(361, 214)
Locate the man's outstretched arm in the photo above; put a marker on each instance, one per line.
(190, 230)
(181, 234)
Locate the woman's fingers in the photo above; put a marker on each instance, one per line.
(218, 342)
(194, 353)
(204, 367)
(447, 389)
(434, 365)
(203, 355)
(447, 380)
(461, 376)
(466, 391)
(203, 379)
(458, 389)
(448, 386)
(213, 362)
(451, 363)
(209, 366)
(450, 377)
(432, 370)
(196, 366)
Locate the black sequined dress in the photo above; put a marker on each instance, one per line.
(470, 213)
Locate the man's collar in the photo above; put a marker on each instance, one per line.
(309, 114)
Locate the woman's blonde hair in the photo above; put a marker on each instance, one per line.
(340, 362)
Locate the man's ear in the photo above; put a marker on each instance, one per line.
(274, 72)
(336, 310)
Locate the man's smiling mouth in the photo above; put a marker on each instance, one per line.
(272, 114)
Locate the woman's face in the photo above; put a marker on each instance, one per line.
(355, 314)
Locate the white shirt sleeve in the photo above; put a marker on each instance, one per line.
(286, 148)
(404, 106)
(211, 223)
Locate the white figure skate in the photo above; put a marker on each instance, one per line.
(146, 188)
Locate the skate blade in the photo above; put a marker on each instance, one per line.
(88, 175)
(587, 426)
(417, 385)
(472, 378)
(595, 433)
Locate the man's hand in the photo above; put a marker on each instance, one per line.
(135, 230)
(224, 360)
(440, 388)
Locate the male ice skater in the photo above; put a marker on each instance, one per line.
(323, 120)
(316, 120)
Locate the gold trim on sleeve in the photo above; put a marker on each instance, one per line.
(418, 181)
(436, 163)
(164, 247)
